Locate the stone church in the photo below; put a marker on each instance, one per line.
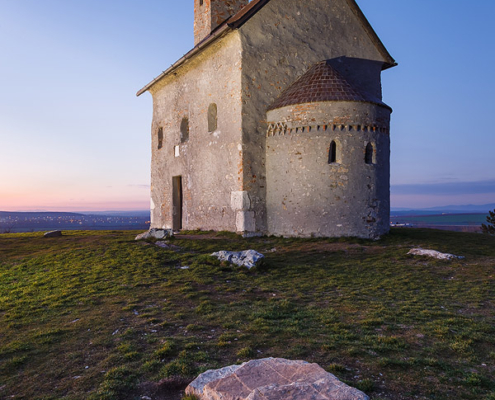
(274, 123)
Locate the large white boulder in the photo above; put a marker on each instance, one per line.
(272, 379)
(155, 234)
(246, 258)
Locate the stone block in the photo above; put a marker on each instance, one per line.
(155, 234)
(245, 222)
(434, 254)
(240, 201)
(272, 379)
(53, 234)
(247, 258)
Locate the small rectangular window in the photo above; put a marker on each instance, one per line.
(369, 154)
(332, 153)
(160, 138)
(212, 117)
(184, 130)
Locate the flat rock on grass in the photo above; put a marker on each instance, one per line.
(167, 246)
(272, 379)
(53, 234)
(246, 258)
(155, 234)
(434, 254)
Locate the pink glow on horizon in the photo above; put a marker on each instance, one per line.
(40, 201)
(100, 203)
(46, 196)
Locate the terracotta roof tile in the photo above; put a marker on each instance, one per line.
(322, 83)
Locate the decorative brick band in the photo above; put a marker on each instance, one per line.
(281, 129)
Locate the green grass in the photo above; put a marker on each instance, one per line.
(95, 315)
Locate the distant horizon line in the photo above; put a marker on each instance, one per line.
(77, 211)
(141, 210)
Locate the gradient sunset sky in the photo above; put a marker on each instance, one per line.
(74, 136)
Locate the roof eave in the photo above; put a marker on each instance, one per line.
(234, 22)
(376, 103)
(389, 65)
(237, 20)
(389, 60)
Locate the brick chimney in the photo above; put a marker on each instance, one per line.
(208, 14)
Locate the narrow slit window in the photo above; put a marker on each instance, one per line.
(200, 2)
(184, 130)
(212, 117)
(332, 153)
(369, 154)
(160, 138)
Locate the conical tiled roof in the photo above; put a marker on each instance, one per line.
(322, 83)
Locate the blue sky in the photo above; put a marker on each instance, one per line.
(73, 135)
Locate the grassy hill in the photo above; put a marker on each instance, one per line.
(96, 315)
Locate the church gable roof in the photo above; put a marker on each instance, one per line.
(254, 6)
(322, 83)
(244, 15)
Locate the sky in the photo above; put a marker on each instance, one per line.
(74, 136)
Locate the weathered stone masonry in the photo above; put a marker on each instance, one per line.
(271, 149)
(310, 196)
(327, 168)
(208, 161)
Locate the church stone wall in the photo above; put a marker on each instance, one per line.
(208, 162)
(309, 196)
(280, 43)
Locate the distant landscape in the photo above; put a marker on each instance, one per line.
(464, 218)
(450, 222)
(17, 222)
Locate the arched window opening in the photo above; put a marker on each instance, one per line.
(332, 153)
(369, 154)
(212, 117)
(160, 138)
(184, 130)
